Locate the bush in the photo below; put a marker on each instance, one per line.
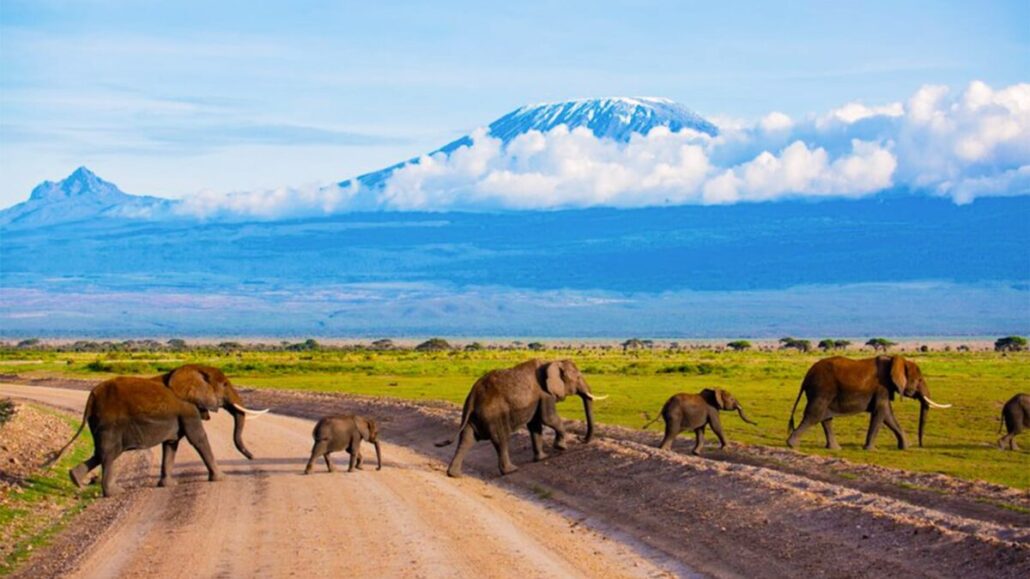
(535, 346)
(739, 345)
(433, 345)
(1010, 344)
(799, 345)
(6, 410)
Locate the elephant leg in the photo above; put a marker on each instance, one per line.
(168, 449)
(672, 430)
(361, 459)
(551, 419)
(318, 449)
(353, 460)
(699, 441)
(716, 425)
(466, 439)
(892, 423)
(328, 462)
(198, 439)
(504, 463)
(807, 422)
(831, 440)
(1004, 441)
(875, 422)
(81, 471)
(536, 436)
(107, 480)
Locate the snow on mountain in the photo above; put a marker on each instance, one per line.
(81, 196)
(616, 118)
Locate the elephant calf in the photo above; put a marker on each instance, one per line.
(344, 432)
(1016, 415)
(695, 411)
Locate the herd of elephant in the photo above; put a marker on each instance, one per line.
(128, 413)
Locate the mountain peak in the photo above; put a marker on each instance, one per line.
(81, 183)
(615, 118)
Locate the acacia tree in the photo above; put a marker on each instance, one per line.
(433, 345)
(880, 344)
(1010, 344)
(739, 345)
(796, 344)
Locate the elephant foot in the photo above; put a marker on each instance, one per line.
(792, 443)
(903, 446)
(215, 477)
(869, 447)
(696, 452)
(505, 470)
(167, 482)
(78, 476)
(833, 446)
(539, 457)
(112, 490)
(454, 473)
(560, 445)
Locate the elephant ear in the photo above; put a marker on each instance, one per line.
(722, 399)
(898, 376)
(553, 382)
(193, 385)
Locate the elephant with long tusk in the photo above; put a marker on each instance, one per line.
(127, 413)
(503, 400)
(840, 386)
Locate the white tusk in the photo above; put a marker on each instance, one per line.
(249, 412)
(934, 404)
(592, 397)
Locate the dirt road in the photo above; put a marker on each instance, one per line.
(267, 519)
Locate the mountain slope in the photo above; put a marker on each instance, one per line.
(616, 118)
(82, 196)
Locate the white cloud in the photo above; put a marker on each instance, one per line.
(967, 145)
(269, 203)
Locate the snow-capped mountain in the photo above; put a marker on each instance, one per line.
(81, 196)
(616, 118)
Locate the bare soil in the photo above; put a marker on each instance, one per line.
(625, 506)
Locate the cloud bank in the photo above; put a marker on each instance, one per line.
(959, 144)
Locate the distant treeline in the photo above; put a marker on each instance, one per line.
(1004, 344)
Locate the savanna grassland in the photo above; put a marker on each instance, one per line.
(959, 441)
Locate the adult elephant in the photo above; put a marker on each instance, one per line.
(840, 386)
(502, 401)
(127, 413)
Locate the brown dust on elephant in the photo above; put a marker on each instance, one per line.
(127, 413)
(1016, 417)
(502, 401)
(344, 432)
(841, 386)
(694, 412)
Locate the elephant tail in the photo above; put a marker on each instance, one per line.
(650, 422)
(466, 415)
(790, 424)
(54, 456)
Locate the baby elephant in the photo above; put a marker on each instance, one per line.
(695, 411)
(334, 433)
(1016, 415)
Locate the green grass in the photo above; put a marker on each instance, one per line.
(34, 529)
(959, 441)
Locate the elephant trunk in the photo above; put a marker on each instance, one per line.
(239, 415)
(740, 411)
(588, 409)
(379, 455)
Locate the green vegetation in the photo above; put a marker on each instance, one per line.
(1010, 344)
(739, 345)
(959, 441)
(47, 503)
(6, 410)
(796, 344)
(883, 344)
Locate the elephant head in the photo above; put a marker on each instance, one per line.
(723, 400)
(562, 378)
(209, 389)
(907, 379)
(370, 432)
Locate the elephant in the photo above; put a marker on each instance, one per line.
(841, 386)
(695, 411)
(504, 400)
(128, 413)
(1016, 416)
(334, 433)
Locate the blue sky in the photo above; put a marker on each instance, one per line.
(175, 98)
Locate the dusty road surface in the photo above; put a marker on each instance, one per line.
(266, 519)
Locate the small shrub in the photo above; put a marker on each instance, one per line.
(739, 345)
(7, 411)
(1010, 344)
(433, 345)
